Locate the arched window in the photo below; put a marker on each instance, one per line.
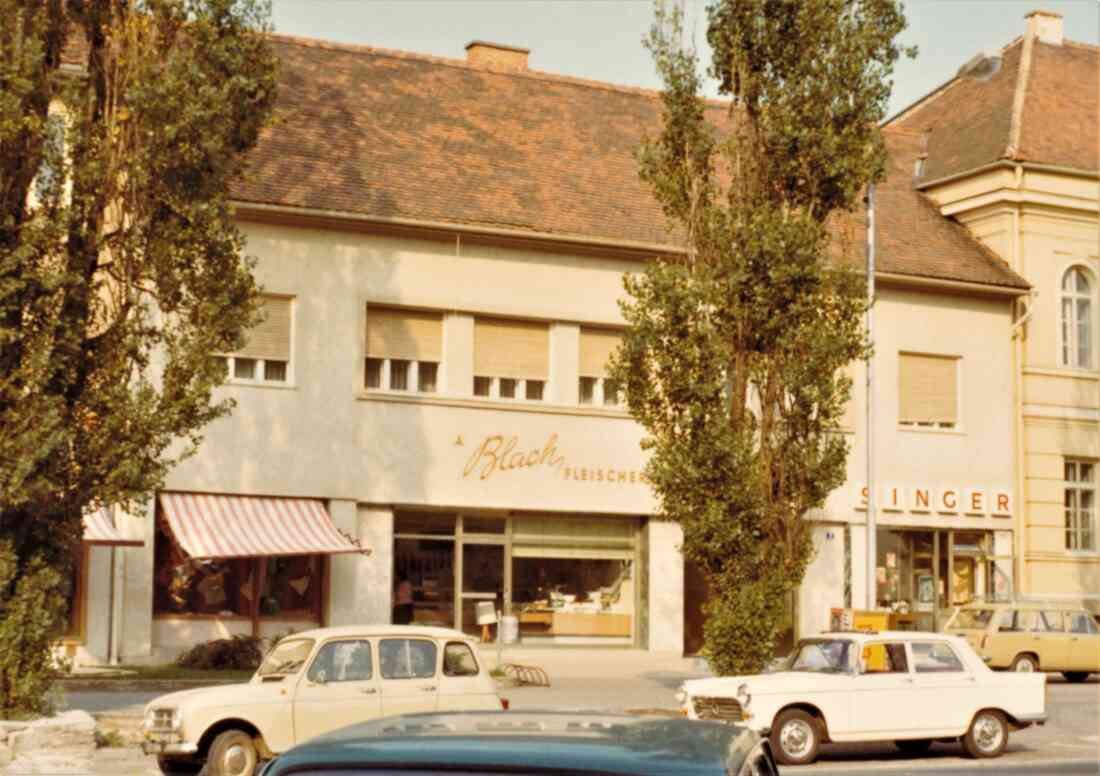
(1077, 319)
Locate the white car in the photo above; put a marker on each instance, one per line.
(910, 688)
(314, 682)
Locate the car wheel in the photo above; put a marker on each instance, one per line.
(914, 745)
(1025, 664)
(988, 734)
(232, 754)
(177, 765)
(1075, 676)
(796, 737)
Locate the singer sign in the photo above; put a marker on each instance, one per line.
(944, 500)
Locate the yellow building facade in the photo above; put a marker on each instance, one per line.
(1022, 175)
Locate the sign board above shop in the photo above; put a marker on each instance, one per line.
(500, 455)
(942, 500)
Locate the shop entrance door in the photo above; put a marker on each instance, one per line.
(482, 575)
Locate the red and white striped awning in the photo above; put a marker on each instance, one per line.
(99, 529)
(210, 526)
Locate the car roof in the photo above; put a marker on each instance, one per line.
(880, 635)
(343, 631)
(527, 741)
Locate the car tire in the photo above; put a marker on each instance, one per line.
(914, 745)
(1025, 663)
(232, 753)
(796, 737)
(177, 766)
(987, 736)
(1075, 676)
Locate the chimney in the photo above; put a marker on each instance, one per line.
(1045, 26)
(494, 56)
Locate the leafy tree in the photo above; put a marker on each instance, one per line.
(734, 359)
(120, 271)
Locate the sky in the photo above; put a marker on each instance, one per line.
(601, 39)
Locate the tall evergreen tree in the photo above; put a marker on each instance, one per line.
(120, 270)
(734, 359)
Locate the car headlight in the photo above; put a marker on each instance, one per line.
(743, 695)
(162, 719)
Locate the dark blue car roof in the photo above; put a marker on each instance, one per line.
(528, 741)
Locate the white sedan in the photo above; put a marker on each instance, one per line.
(910, 688)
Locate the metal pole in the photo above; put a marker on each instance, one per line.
(872, 548)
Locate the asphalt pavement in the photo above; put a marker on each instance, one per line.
(1068, 744)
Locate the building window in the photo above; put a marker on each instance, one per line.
(1080, 501)
(1077, 319)
(404, 350)
(596, 349)
(511, 359)
(284, 588)
(266, 355)
(928, 391)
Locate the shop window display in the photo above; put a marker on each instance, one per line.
(573, 596)
(287, 588)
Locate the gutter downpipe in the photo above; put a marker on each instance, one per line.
(872, 549)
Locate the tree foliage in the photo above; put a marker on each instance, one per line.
(120, 269)
(734, 358)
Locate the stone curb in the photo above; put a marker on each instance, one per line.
(141, 685)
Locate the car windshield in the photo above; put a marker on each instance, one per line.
(826, 656)
(286, 658)
(971, 619)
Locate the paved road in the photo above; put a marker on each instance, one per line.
(1068, 744)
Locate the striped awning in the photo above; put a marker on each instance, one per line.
(211, 526)
(99, 529)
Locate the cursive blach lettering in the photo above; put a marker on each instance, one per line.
(497, 453)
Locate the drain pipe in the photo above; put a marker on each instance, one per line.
(872, 538)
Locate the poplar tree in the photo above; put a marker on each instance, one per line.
(122, 124)
(734, 360)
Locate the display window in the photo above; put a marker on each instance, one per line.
(565, 578)
(283, 588)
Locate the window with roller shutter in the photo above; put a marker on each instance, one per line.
(265, 357)
(404, 349)
(596, 348)
(511, 359)
(928, 391)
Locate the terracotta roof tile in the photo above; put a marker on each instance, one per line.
(389, 134)
(969, 122)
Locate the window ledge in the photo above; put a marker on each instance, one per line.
(234, 383)
(931, 430)
(492, 404)
(1077, 373)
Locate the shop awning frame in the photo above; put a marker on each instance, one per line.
(100, 531)
(210, 526)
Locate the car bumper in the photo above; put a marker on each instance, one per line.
(161, 746)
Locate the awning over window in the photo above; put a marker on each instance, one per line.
(209, 526)
(99, 529)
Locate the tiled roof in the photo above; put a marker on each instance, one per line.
(970, 122)
(387, 134)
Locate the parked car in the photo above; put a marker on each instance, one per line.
(1031, 637)
(312, 683)
(911, 688)
(536, 743)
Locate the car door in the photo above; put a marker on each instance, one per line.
(943, 686)
(409, 668)
(883, 691)
(462, 686)
(1051, 641)
(1084, 642)
(339, 689)
(1011, 638)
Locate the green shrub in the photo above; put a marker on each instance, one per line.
(32, 607)
(240, 653)
(742, 622)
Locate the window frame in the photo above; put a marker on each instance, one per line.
(937, 427)
(435, 663)
(1079, 486)
(473, 655)
(932, 644)
(412, 378)
(599, 394)
(520, 385)
(260, 379)
(1068, 348)
(333, 643)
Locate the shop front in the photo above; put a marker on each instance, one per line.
(568, 579)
